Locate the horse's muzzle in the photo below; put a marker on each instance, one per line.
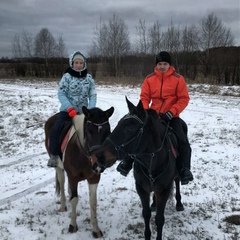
(93, 149)
(98, 169)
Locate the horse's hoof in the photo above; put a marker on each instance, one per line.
(97, 234)
(64, 209)
(179, 208)
(72, 229)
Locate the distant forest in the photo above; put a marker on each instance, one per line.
(215, 66)
(202, 54)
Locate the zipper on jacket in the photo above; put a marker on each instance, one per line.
(161, 95)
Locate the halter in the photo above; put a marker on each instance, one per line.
(136, 156)
(100, 126)
(138, 136)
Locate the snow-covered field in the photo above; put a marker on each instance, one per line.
(28, 204)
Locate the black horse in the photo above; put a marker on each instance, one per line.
(142, 136)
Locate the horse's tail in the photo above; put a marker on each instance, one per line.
(171, 195)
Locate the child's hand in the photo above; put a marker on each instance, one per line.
(72, 112)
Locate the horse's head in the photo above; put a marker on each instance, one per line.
(97, 126)
(125, 138)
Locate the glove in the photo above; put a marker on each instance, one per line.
(166, 116)
(71, 112)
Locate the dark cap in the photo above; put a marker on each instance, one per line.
(163, 57)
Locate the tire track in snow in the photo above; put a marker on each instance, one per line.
(20, 160)
(25, 192)
(29, 190)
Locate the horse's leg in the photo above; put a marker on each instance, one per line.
(97, 233)
(73, 185)
(179, 205)
(153, 205)
(146, 211)
(69, 192)
(161, 200)
(60, 181)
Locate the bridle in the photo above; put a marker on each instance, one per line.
(99, 126)
(136, 156)
(120, 147)
(94, 147)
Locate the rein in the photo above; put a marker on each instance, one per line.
(152, 155)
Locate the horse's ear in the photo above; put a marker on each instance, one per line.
(140, 105)
(140, 108)
(109, 112)
(85, 111)
(130, 105)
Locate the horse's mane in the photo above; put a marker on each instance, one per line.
(152, 121)
(152, 113)
(156, 125)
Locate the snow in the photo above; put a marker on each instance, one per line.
(28, 204)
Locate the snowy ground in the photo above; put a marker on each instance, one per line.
(28, 204)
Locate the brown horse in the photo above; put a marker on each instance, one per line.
(86, 134)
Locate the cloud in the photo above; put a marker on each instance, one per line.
(76, 20)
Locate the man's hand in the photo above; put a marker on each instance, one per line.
(166, 116)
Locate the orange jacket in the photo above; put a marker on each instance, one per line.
(165, 92)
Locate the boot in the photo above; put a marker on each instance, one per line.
(185, 176)
(53, 161)
(125, 166)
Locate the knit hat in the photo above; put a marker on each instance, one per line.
(163, 57)
(78, 56)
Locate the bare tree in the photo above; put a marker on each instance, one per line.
(189, 39)
(172, 42)
(213, 33)
(22, 45)
(118, 37)
(118, 40)
(27, 42)
(100, 42)
(16, 47)
(155, 36)
(45, 47)
(61, 50)
(45, 44)
(142, 42)
(172, 39)
(112, 41)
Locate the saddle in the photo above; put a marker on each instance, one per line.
(67, 130)
(64, 131)
(172, 138)
(173, 141)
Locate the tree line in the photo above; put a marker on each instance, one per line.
(201, 53)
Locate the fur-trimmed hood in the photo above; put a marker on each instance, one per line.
(73, 72)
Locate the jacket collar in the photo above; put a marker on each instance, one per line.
(78, 74)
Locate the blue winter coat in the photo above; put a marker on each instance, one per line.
(77, 88)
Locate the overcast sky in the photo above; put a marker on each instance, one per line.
(75, 20)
